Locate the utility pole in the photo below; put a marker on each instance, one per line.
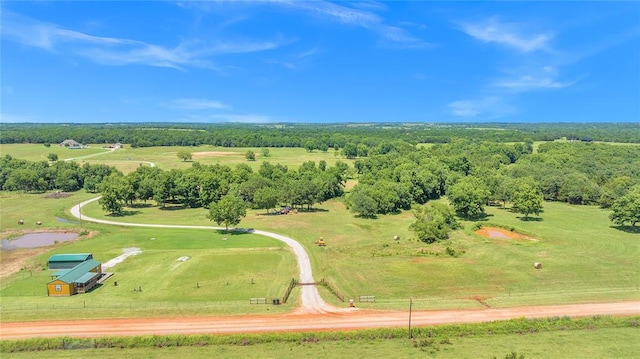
(410, 308)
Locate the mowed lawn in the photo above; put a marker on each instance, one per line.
(222, 273)
(584, 258)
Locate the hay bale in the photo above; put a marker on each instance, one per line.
(21, 221)
(537, 265)
(396, 238)
(39, 222)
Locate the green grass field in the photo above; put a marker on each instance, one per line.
(127, 159)
(584, 258)
(224, 271)
(595, 342)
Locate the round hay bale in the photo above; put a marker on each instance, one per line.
(39, 222)
(396, 238)
(537, 265)
(21, 221)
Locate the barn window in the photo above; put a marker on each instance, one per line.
(58, 288)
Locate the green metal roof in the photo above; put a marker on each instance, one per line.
(60, 272)
(75, 274)
(86, 277)
(74, 257)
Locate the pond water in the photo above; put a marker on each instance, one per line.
(33, 240)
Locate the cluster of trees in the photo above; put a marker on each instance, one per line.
(474, 174)
(394, 174)
(40, 176)
(393, 181)
(204, 185)
(309, 136)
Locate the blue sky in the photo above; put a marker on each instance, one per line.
(318, 61)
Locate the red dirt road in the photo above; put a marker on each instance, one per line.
(355, 319)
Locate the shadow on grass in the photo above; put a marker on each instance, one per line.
(531, 219)
(141, 205)
(235, 231)
(124, 214)
(628, 229)
(172, 208)
(312, 210)
(363, 216)
(482, 217)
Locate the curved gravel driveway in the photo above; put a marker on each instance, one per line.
(311, 300)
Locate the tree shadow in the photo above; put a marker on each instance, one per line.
(531, 219)
(141, 205)
(482, 217)
(372, 216)
(124, 214)
(233, 232)
(172, 208)
(627, 229)
(312, 210)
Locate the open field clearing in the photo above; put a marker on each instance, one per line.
(128, 159)
(38, 152)
(221, 273)
(584, 259)
(580, 262)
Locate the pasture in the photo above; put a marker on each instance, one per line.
(584, 258)
(223, 272)
(127, 159)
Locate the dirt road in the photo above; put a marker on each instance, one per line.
(354, 319)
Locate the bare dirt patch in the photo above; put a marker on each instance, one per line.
(58, 195)
(12, 261)
(213, 154)
(501, 233)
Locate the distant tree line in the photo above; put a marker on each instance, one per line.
(310, 136)
(393, 173)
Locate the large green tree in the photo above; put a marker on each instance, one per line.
(184, 155)
(526, 197)
(362, 204)
(627, 208)
(433, 222)
(229, 210)
(469, 196)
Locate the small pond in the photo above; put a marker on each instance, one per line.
(33, 240)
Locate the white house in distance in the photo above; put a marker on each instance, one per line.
(71, 144)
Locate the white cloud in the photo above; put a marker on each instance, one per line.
(486, 107)
(532, 79)
(234, 118)
(357, 17)
(528, 82)
(195, 104)
(507, 34)
(11, 118)
(120, 51)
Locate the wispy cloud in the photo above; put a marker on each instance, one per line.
(233, 118)
(11, 118)
(531, 79)
(361, 17)
(296, 61)
(508, 34)
(485, 107)
(120, 51)
(195, 104)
